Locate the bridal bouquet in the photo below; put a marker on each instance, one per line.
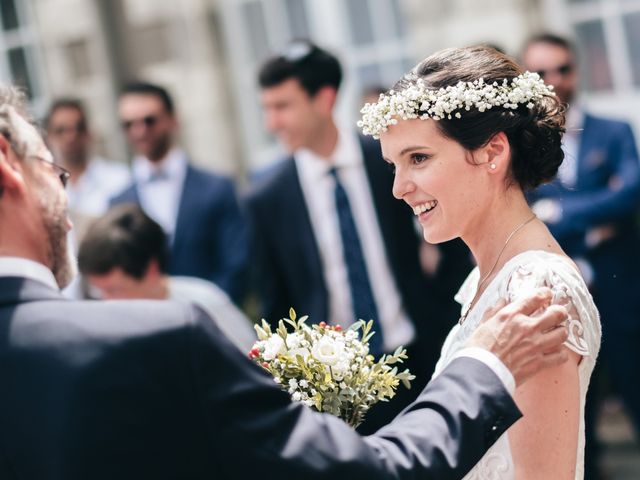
(328, 368)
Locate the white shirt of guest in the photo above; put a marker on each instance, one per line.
(101, 181)
(568, 171)
(160, 187)
(318, 188)
(233, 323)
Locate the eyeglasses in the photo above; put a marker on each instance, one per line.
(62, 173)
(148, 121)
(563, 70)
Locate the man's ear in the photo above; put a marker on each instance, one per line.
(153, 270)
(325, 99)
(11, 173)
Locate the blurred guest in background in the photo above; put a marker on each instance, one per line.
(124, 255)
(93, 180)
(198, 210)
(330, 239)
(591, 210)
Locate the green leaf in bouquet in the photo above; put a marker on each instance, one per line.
(356, 325)
(292, 314)
(262, 332)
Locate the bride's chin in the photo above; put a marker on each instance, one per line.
(435, 238)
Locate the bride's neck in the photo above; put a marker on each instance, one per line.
(486, 236)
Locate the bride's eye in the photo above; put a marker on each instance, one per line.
(391, 167)
(418, 158)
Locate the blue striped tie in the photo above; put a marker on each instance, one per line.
(364, 304)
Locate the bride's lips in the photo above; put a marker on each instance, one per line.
(423, 210)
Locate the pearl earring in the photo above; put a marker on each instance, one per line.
(493, 166)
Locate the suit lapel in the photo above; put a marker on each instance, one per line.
(381, 184)
(300, 221)
(188, 203)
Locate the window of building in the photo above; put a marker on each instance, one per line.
(18, 50)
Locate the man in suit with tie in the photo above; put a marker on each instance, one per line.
(151, 389)
(591, 209)
(198, 210)
(330, 239)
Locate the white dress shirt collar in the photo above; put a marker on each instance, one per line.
(346, 154)
(25, 268)
(173, 165)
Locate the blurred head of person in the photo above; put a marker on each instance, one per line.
(33, 204)
(299, 88)
(148, 119)
(124, 254)
(68, 134)
(554, 59)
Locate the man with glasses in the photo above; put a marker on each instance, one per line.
(197, 210)
(149, 389)
(591, 209)
(331, 240)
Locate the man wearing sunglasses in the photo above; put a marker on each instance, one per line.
(197, 210)
(591, 209)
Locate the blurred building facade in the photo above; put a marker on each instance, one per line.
(207, 53)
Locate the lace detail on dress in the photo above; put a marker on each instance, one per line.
(526, 278)
(520, 276)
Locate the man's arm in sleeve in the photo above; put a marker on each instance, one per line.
(255, 429)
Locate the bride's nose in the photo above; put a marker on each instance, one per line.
(402, 185)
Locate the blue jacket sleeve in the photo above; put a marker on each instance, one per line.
(582, 210)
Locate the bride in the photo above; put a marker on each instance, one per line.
(468, 132)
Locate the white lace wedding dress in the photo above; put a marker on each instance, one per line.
(519, 276)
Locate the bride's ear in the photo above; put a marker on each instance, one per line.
(497, 153)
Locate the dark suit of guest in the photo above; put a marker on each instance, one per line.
(210, 240)
(150, 389)
(291, 271)
(598, 224)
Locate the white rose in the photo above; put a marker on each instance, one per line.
(294, 340)
(272, 347)
(328, 350)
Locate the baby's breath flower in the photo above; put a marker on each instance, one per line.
(420, 101)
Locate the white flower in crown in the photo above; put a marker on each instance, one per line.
(420, 101)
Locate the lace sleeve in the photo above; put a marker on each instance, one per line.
(570, 291)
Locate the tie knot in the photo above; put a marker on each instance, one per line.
(333, 171)
(158, 175)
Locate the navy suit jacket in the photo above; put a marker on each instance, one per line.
(152, 390)
(290, 269)
(606, 193)
(211, 237)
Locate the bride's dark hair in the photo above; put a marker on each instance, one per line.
(534, 134)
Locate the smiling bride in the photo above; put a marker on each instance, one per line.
(468, 133)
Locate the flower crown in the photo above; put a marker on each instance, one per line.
(420, 101)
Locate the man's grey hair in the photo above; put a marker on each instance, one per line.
(12, 103)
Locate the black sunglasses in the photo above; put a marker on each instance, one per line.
(564, 70)
(62, 173)
(149, 121)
